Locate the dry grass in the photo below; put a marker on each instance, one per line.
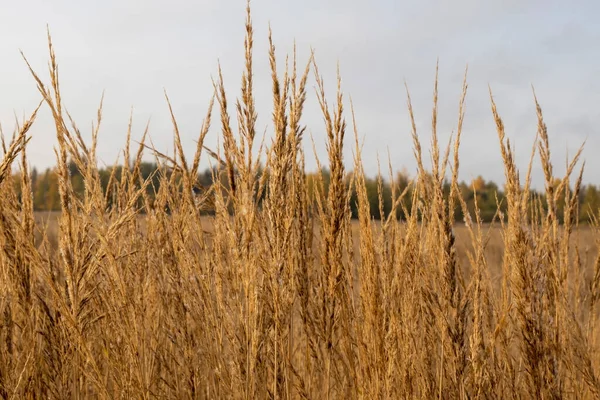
(287, 297)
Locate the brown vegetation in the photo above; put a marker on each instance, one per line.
(280, 294)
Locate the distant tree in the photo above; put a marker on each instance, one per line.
(46, 194)
(590, 202)
(478, 184)
(34, 177)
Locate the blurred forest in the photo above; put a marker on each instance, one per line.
(487, 195)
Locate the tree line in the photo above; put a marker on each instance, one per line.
(487, 196)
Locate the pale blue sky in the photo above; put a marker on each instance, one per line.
(134, 49)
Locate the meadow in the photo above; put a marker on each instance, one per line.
(127, 295)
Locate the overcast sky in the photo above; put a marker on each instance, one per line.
(134, 49)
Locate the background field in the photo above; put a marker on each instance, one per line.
(585, 239)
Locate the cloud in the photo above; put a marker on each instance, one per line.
(135, 49)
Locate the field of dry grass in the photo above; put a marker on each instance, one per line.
(288, 297)
(585, 241)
